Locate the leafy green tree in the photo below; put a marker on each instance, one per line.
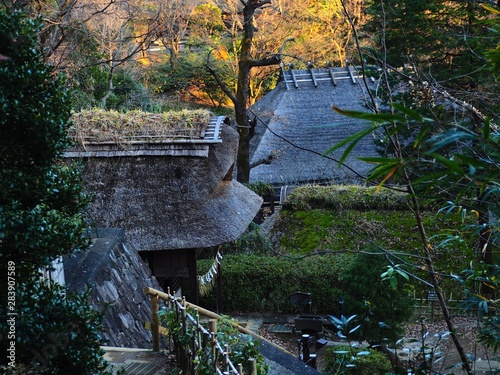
(41, 204)
(380, 308)
(451, 160)
(435, 43)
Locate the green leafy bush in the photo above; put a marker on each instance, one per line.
(58, 332)
(380, 308)
(252, 241)
(242, 346)
(41, 206)
(347, 360)
(264, 283)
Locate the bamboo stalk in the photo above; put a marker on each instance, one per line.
(213, 343)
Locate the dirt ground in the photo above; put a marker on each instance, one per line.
(467, 328)
(434, 332)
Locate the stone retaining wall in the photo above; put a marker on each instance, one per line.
(117, 276)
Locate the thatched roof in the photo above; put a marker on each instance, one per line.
(297, 116)
(98, 126)
(100, 133)
(165, 201)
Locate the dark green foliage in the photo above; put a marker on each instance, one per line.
(34, 108)
(243, 347)
(445, 38)
(40, 201)
(58, 333)
(252, 241)
(264, 283)
(187, 74)
(346, 360)
(41, 204)
(93, 85)
(380, 309)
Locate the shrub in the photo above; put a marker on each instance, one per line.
(380, 308)
(41, 213)
(59, 332)
(252, 241)
(264, 283)
(347, 360)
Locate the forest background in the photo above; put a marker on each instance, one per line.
(164, 55)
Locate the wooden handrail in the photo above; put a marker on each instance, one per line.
(212, 315)
(183, 305)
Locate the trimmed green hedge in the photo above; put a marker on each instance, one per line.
(263, 283)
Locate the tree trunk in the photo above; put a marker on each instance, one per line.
(241, 105)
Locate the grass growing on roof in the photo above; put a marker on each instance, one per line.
(346, 197)
(98, 125)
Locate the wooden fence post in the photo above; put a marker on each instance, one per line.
(253, 366)
(184, 349)
(155, 325)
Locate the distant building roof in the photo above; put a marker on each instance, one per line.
(296, 124)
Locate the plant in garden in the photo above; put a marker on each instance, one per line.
(242, 347)
(349, 360)
(447, 159)
(374, 297)
(352, 359)
(458, 163)
(41, 205)
(427, 357)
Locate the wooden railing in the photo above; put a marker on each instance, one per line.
(206, 338)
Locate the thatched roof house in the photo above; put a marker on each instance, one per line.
(296, 124)
(170, 188)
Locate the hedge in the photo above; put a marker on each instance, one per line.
(263, 283)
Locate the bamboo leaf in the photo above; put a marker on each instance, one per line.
(351, 142)
(409, 112)
(486, 129)
(420, 136)
(379, 118)
(379, 160)
(445, 139)
(387, 177)
(383, 170)
(449, 163)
